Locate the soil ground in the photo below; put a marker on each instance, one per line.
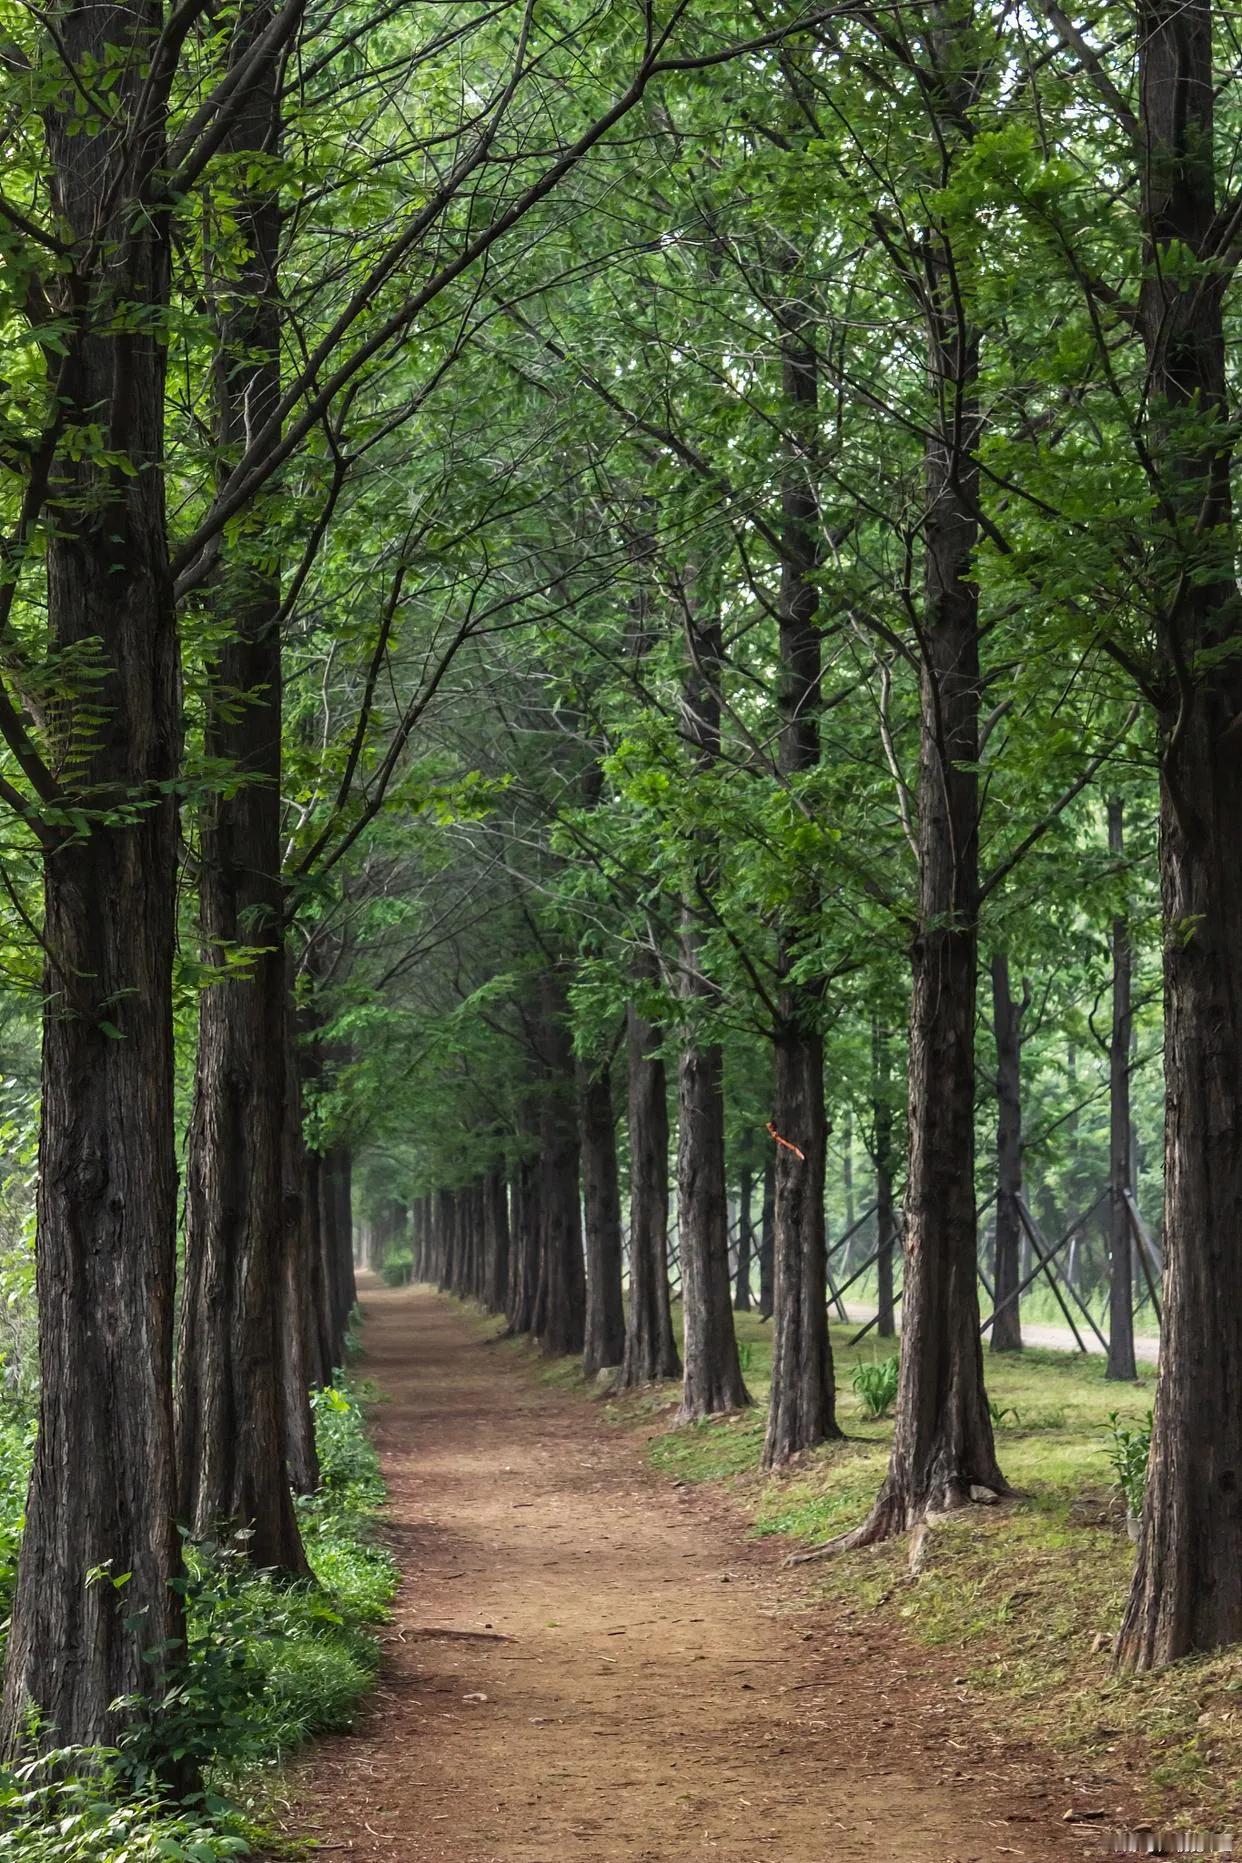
(588, 1662)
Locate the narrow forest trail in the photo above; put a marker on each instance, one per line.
(587, 1662)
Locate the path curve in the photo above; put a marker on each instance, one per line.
(589, 1663)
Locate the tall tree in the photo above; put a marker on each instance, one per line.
(232, 1422)
(1121, 1362)
(1007, 1013)
(802, 1407)
(1187, 1592)
(601, 1196)
(561, 1325)
(650, 1348)
(745, 1240)
(886, 1227)
(712, 1378)
(95, 1617)
(943, 1447)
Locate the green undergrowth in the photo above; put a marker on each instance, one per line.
(269, 1665)
(1024, 1599)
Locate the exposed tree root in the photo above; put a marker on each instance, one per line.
(438, 1633)
(891, 1516)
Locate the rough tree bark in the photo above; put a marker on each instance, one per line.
(561, 1325)
(446, 1228)
(298, 1319)
(102, 1497)
(745, 1241)
(1007, 1015)
(524, 1242)
(885, 1214)
(650, 1349)
(802, 1406)
(231, 1412)
(943, 1449)
(847, 1167)
(297, 1324)
(1187, 1592)
(604, 1345)
(1121, 1363)
(496, 1193)
(336, 1246)
(712, 1375)
(943, 1445)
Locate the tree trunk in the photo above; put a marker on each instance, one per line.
(1007, 1024)
(885, 1215)
(231, 1411)
(745, 1242)
(496, 1194)
(605, 1310)
(712, 1378)
(712, 1375)
(1121, 1363)
(525, 1245)
(847, 1167)
(451, 1241)
(95, 1618)
(336, 1247)
(802, 1406)
(297, 1322)
(231, 1405)
(561, 1324)
(650, 1349)
(418, 1240)
(1187, 1592)
(767, 1240)
(802, 1410)
(476, 1216)
(943, 1445)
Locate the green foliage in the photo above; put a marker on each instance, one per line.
(268, 1664)
(395, 1270)
(1129, 1445)
(79, 1806)
(875, 1384)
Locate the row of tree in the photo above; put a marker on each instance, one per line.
(821, 572)
(903, 453)
(242, 248)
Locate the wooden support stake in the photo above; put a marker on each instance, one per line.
(1046, 1261)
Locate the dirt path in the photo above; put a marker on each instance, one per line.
(589, 1663)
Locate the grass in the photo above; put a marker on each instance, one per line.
(1026, 1597)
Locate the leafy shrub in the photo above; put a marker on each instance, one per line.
(876, 1385)
(397, 1270)
(1128, 1448)
(267, 1664)
(349, 1475)
(79, 1805)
